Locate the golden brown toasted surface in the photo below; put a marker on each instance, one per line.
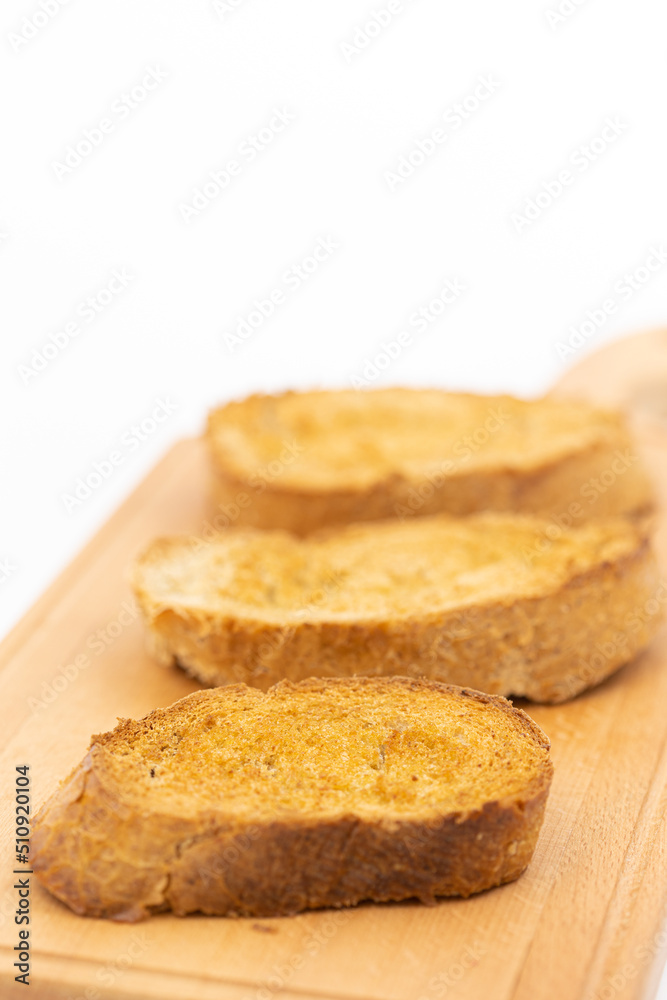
(384, 569)
(354, 439)
(498, 602)
(322, 793)
(325, 749)
(305, 461)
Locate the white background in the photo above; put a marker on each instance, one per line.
(355, 112)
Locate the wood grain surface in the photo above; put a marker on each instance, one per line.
(585, 921)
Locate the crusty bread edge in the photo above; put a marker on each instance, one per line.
(157, 862)
(224, 649)
(549, 488)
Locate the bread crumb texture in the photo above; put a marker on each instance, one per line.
(320, 793)
(496, 601)
(314, 459)
(328, 749)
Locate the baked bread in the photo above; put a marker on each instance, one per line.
(497, 602)
(304, 461)
(323, 793)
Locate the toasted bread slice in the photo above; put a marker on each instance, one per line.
(323, 793)
(497, 602)
(304, 461)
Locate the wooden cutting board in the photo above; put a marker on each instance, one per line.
(585, 921)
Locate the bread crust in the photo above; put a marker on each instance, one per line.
(547, 486)
(94, 852)
(547, 648)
